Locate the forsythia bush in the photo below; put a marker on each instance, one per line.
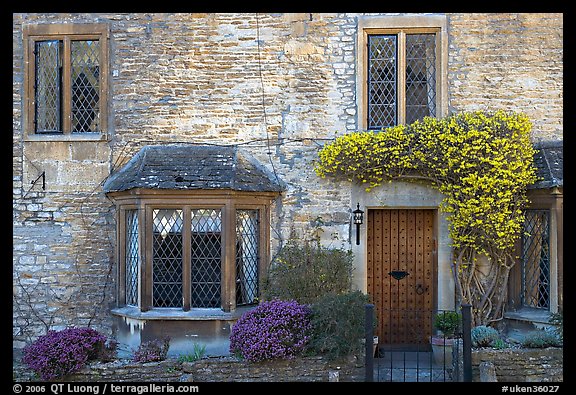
(481, 162)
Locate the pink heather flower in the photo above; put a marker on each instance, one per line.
(274, 329)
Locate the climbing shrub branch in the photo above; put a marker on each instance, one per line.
(482, 162)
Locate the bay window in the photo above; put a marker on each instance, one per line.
(189, 256)
(193, 231)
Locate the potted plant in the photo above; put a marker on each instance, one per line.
(446, 323)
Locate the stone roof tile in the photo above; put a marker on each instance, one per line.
(193, 167)
(549, 164)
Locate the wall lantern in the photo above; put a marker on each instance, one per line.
(358, 220)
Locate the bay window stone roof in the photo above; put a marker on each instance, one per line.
(187, 166)
(549, 164)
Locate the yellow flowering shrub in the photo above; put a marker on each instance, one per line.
(481, 162)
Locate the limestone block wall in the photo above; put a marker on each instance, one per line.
(281, 85)
(521, 365)
(511, 365)
(222, 369)
(510, 61)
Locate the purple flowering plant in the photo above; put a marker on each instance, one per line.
(59, 353)
(274, 329)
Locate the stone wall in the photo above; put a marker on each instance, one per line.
(511, 61)
(279, 84)
(511, 365)
(225, 369)
(521, 365)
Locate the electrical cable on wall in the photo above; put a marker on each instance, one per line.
(263, 97)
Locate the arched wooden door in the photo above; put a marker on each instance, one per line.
(401, 273)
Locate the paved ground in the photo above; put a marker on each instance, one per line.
(409, 366)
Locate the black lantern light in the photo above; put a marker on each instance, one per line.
(358, 220)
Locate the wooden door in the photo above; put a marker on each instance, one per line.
(400, 270)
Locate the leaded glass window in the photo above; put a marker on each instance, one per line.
(85, 59)
(247, 256)
(48, 92)
(66, 74)
(187, 254)
(401, 83)
(132, 258)
(167, 258)
(535, 259)
(206, 243)
(382, 104)
(84, 84)
(420, 76)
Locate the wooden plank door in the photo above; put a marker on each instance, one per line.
(400, 270)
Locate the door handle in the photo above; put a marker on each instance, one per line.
(420, 289)
(398, 274)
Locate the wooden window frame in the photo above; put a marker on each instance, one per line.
(66, 33)
(400, 26)
(262, 210)
(228, 203)
(122, 253)
(551, 200)
(530, 263)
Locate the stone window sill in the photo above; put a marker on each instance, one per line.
(86, 136)
(177, 314)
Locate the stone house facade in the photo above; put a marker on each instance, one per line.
(100, 99)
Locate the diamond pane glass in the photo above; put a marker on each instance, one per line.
(206, 257)
(167, 258)
(535, 260)
(247, 256)
(382, 72)
(420, 76)
(132, 258)
(48, 89)
(85, 58)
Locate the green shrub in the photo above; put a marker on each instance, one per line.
(338, 324)
(198, 353)
(304, 271)
(485, 336)
(448, 322)
(499, 344)
(557, 319)
(541, 339)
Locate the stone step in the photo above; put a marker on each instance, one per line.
(528, 318)
(399, 356)
(521, 322)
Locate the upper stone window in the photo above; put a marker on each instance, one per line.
(193, 228)
(66, 78)
(401, 69)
